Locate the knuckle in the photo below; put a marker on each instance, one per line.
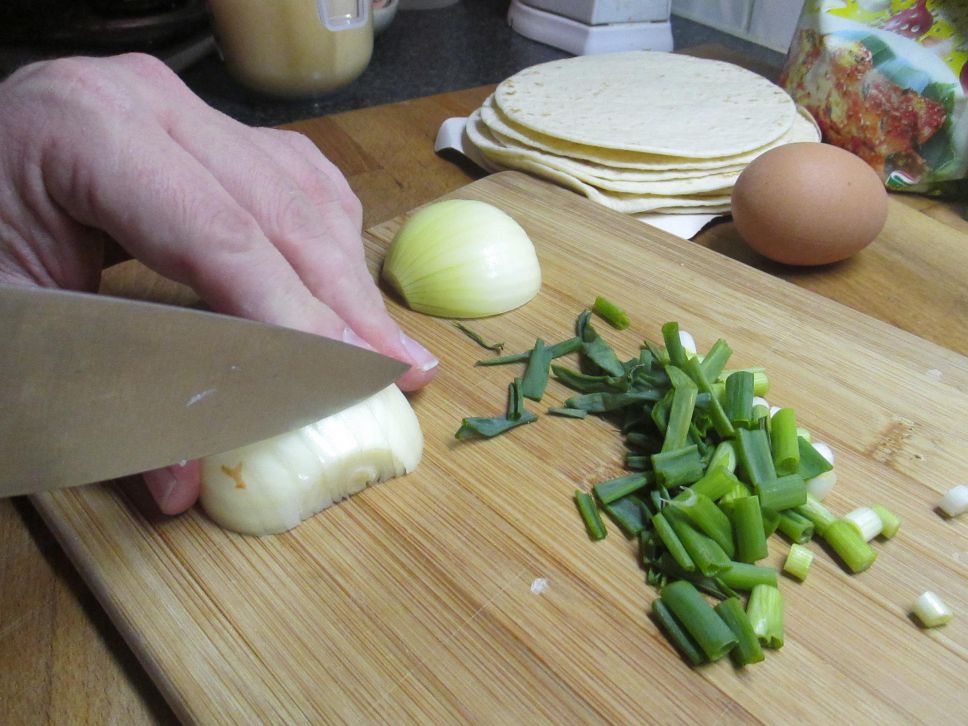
(146, 65)
(296, 141)
(81, 83)
(228, 228)
(295, 220)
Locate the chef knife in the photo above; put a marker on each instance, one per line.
(93, 387)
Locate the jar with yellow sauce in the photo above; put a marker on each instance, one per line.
(294, 48)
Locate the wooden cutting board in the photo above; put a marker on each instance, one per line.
(469, 592)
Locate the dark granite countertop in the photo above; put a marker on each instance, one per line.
(422, 52)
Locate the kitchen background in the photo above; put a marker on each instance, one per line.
(447, 45)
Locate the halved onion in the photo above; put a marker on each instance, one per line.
(462, 259)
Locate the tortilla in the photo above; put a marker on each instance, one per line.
(803, 128)
(649, 101)
(497, 152)
(618, 201)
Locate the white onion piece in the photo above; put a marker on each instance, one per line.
(819, 486)
(867, 521)
(273, 485)
(462, 259)
(955, 501)
(931, 610)
(688, 342)
(825, 451)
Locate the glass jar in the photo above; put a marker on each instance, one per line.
(294, 48)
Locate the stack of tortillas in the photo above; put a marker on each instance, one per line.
(638, 132)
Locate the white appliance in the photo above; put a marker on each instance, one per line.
(585, 27)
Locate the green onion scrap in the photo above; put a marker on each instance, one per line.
(476, 337)
(611, 313)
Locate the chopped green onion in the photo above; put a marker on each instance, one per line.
(567, 412)
(650, 546)
(765, 611)
(844, 538)
(680, 413)
(715, 483)
(798, 561)
(720, 421)
(677, 634)
(713, 586)
(515, 406)
(594, 347)
(487, 428)
(715, 360)
(739, 398)
(745, 576)
(931, 610)
(761, 415)
(771, 521)
(612, 489)
(672, 543)
(867, 522)
(699, 619)
(589, 514)
(784, 442)
(816, 513)
(812, 462)
(761, 383)
(747, 518)
(587, 383)
(556, 351)
(739, 489)
(890, 522)
(754, 456)
(782, 493)
(611, 313)
(796, 527)
(708, 556)
(628, 514)
(748, 649)
(673, 345)
(678, 467)
(535, 378)
(704, 515)
(724, 455)
(638, 462)
(603, 402)
(476, 337)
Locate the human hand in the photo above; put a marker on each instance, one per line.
(257, 221)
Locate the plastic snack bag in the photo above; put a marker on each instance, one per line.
(887, 80)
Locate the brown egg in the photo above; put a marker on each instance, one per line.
(808, 204)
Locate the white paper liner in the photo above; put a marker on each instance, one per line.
(451, 137)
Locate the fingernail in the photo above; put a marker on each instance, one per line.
(423, 358)
(350, 336)
(161, 483)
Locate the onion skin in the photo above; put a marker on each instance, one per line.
(462, 259)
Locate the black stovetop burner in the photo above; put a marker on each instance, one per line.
(114, 24)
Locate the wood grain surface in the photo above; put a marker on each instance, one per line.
(64, 659)
(415, 601)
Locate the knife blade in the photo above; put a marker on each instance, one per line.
(93, 388)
